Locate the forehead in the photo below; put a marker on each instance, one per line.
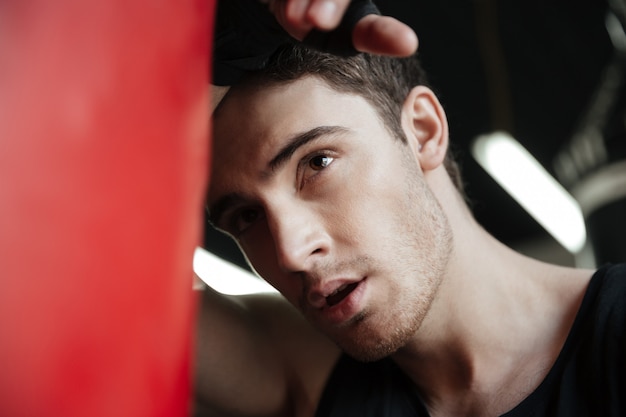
(279, 109)
(252, 123)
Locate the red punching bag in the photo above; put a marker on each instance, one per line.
(103, 167)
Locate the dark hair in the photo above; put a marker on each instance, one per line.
(383, 81)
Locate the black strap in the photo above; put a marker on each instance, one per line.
(247, 34)
(339, 41)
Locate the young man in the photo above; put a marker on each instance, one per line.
(333, 176)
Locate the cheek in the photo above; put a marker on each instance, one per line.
(261, 255)
(375, 205)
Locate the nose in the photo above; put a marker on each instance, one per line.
(300, 237)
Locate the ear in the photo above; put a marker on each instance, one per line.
(426, 127)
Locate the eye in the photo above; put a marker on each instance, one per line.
(312, 166)
(319, 162)
(244, 218)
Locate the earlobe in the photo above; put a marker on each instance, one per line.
(426, 127)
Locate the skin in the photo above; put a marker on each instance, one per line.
(308, 227)
(475, 325)
(374, 34)
(287, 362)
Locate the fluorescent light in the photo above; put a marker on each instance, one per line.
(226, 277)
(515, 169)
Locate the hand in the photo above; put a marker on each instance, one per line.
(376, 34)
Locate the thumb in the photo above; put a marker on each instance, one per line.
(384, 35)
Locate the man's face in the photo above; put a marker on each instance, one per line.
(330, 210)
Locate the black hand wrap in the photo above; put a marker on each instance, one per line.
(339, 41)
(247, 34)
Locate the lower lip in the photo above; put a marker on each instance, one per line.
(346, 308)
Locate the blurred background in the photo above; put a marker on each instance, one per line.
(551, 75)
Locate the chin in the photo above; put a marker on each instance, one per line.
(369, 345)
(369, 354)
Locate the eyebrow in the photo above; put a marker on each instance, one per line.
(301, 139)
(223, 204)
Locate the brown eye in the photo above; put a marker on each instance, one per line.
(320, 162)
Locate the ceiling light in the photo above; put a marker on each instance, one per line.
(515, 169)
(226, 277)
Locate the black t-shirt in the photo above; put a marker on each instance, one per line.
(587, 379)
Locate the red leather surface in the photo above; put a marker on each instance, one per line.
(103, 166)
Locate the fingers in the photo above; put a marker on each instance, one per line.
(375, 34)
(384, 35)
(321, 14)
(326, 14)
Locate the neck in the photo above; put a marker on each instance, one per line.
(499, 320)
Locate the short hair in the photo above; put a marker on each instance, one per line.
(383, 81)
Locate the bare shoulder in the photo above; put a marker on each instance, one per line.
(309, 355)
(256, 355)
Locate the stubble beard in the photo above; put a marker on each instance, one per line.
(373, 335)
(366, 343)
